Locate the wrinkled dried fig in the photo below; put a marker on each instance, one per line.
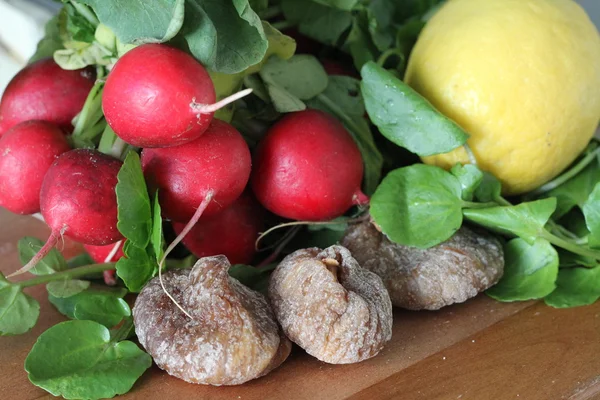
(451, 272)
(325, 302)
(232, 338)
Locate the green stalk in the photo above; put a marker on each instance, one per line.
(107, 140)
(572, 247)
(502, 201)
(85, 12)
(470, 204)
(387, 54)
(68, 274)
(91, 105)
(92, 132)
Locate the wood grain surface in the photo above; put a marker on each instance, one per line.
(478, 350)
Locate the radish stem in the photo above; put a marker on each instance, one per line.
(211, 108)
(52, 240)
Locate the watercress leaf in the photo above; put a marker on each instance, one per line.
(137, 267)
(106, 310)
(79, 27)
(341, 4)
(359, 42)
(342, 99)
(80, 261)
(591, 211)
(225, 36)
(489, 189)
(530, 271)
(157, 239)
(81, 57)
(134, 213)
(49, 43)
(576, 190)
(418, 206)
(284, 101)
(574, 221)
(67, 287)
(302, 75)
(77, 359)
(155, 21)
(53, 262)
(526, 220)
(259, 5)
(18, 312)
(255, 278)
(317, 21)
(405, 117)
(568, 259)
(575, 287)
(66, 305)
(470, 177)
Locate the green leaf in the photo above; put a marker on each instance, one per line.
(530, 271)
(225, 36)
(106, 310)
(18, 312)
(155, 21)
(359, 42)
(157, 239)
(80, 261)
(81, 57)
(49, 43)
(342, 99)
(66, 305)
(341, 4)
(470, 177)
(134, 213)
(591, 211)
(489, 189)
(53, 262)
(284, 101)
(405, 117)
(575, 287)
(255, 278)
(526, 220)
(418, 206)
(137, 267)
(576, 190)
(303, 76)
(78, 27)
(67, 288)
(77, 359)
(569, 260)
(322, 23)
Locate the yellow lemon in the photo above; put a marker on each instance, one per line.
(522, 77)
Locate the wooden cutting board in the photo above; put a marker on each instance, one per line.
(478, 350)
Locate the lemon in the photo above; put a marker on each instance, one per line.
(522, 77)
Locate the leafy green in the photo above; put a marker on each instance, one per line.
(575, 287)
(255, 278)
(317, 21)
(576, 190)
(405, 117)
(526, 220)
(110, 301)
(67, 287)
(302, 75)
(530, 271)
(342, 98)
(18, 311)
(489, 189)
(134, 213)
(591, 211)
(52, 262)
(341, 4)
(78, 27)
(470, 177)
(568, 260)
(418, 206)
(359, 42)
(157, 238)
(50, 42)
(137, 267)
(78, 359)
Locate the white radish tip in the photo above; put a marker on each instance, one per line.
(211, 108)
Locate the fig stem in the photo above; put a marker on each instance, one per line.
(211, 108)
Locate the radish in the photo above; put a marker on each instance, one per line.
(232, 232)
(44, 91)
(159, 96)
(106, 254)
(333, 67)
(218, 162)
(78, 200)
(27, 151)
(308, 168)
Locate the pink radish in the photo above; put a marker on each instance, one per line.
(159, 96)
(232, 232)
(219, 162)
(27, 151)
(44, 91)
(78, 200)
(308, 168)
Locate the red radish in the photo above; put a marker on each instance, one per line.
(304, 44)
(159, 96)
(45, 91)
(232, 232)
(218, 161)
(308, 168)
(78, 200)
(335, 68)
(27, 151)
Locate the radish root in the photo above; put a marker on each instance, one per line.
(50, 243)
(211, 108)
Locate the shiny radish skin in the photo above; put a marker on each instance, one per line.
(45, 91)
(217, 161)
(27, 151)
(308, 168)
(100, 253)
(78, 197)
(148, 97)
(232, 232)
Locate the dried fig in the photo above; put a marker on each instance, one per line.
(232, 338)
(451, 272)
(325, 302)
